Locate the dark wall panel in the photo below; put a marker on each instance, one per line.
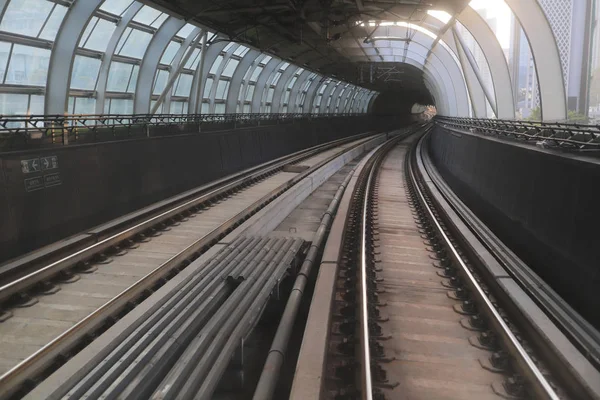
(101, 181)
(542, 204)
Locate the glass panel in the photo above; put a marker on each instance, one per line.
(84, 105)
(207, 87)
(286, 97)
(284, 66)
(85, 73)
(136, 44)
(133, 79)
(170, 52)
(71, 105)
(146, 15)
(216, 64)
(247, 109)
(186, 30)
(36, 105)
(222, 89)
(219, 108)
(241, 51)
(193, 61)
(270, 95)
(159, 21)
(255, 73)
(88, 30)
(230, 68)
(25, 17)
(176, 107)
(229, 45)
(185, 85)
(276, 78)
(116, 7)
(4, 51)
(292, 82)
(11, 104)
(284, 109)
(160, 82)
(122, 39)
(100, 35)
(266, 59)
(121, 106)
(250, 92)
(28, 66)
(51, 28)
(268, 109)
(204, 108)
(118, 76)
(185, 107)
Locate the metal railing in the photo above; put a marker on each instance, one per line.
(23, 131)
(544, 134)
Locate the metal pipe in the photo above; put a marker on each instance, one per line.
(147, 371)
(105, 375)
(251, 317)
(176, 378)
(270, 374)
(258, 292)
(200, 93)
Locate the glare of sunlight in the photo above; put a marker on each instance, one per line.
(441, 15)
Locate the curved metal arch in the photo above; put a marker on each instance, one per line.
(265, 74)
(447, 63)
(211, 53)
(436, 80)
(311, 91)
(324, 83)
(476, 93)
(269, 83)
(323, 107)
(176, 63)
(233, 97)
(435, 92)
(217, 76)
(543, 47)
(358, 100)
(281, 87)
(244, 90)
(295, 92)
(159, 42)
(371, 101)
(344, 96)
(60, 67)
(456, 78)
(355, 99)
(102, 81)
(485, 37)
(335, 96)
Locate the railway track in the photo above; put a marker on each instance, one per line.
(69, 296)
(416, 308)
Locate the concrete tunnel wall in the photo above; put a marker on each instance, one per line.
(102, 181)
(543, 204)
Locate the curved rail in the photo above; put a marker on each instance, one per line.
(527, 366)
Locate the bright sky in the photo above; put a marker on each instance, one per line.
(498, 9)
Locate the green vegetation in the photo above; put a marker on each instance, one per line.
(572, 116)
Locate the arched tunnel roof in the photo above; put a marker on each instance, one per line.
(125, 56)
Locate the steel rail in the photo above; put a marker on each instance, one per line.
(525, 363)
(366, 376)
(24, 282)
(14, 378)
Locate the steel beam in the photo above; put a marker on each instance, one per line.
(63, 54)
(149, 66)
